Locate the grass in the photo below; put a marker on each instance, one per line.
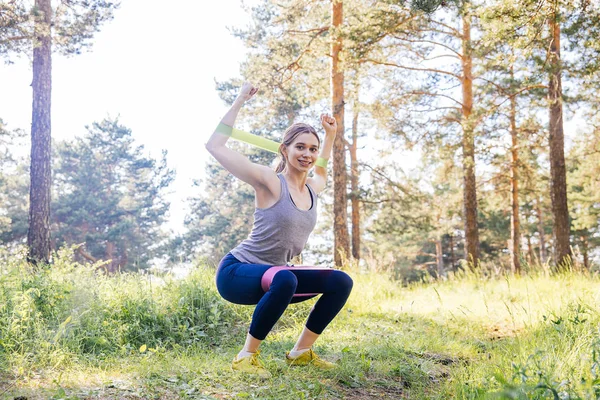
(70, 333)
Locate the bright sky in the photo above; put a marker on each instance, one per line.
(154, 65)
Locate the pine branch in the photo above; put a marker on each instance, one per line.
(421, 93)
(295, 65)
(390, 181)
(390, 64)
(453, 31)
(318, 30)
(504, 90)
(377, 201)
(496, 106)
(440, 56)
(435, 109)
(14, 39)
(393, 28)
(431, 42)
(85, 255)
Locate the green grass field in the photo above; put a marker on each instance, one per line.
(71, 333)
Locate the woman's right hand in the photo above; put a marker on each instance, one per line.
(247, 91)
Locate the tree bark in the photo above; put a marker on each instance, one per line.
(124, 259)
(530, 250)
(515, 223)
(540, 215)
(38, 235)
(452, 253)
(558, 175)
(439, 256)
(341, 245)
(585, 252)
(113, 265)
(354, 189)
(468, 147)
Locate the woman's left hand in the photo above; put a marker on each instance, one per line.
(329, 124)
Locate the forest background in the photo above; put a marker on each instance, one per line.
(469, 133)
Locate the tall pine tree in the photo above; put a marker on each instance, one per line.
(110, 197)
(40, 29)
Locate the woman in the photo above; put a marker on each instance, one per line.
(286, 211)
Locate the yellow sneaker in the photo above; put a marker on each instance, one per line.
(250, 365)
(308, 358)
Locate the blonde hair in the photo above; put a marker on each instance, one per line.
(289, 136)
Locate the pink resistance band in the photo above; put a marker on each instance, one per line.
(267, 277)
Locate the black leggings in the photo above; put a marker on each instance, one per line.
(240, 283)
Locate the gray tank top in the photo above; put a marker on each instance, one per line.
(280, 232)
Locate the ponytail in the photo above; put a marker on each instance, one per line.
(281, 166)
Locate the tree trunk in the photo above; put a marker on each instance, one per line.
(124, 260)
(355, 197)
(530, 250)
(540, 215)
(515, 223)
(113, 265)
(452, 253)
(439, 256)
(341, 245)
(468, 146)
(38, 235)
(558, 176)
(585, 251)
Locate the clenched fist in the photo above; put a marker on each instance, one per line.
(329, 124)
(247, 91)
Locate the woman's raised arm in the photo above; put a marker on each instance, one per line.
(319, 180)
(236, 163)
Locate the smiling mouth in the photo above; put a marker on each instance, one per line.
(304, 163)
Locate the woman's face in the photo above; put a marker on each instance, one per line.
(303, 152)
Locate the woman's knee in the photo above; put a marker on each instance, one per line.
(343, 281)
(284, 281)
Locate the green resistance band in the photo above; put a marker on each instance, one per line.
(257, 141)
